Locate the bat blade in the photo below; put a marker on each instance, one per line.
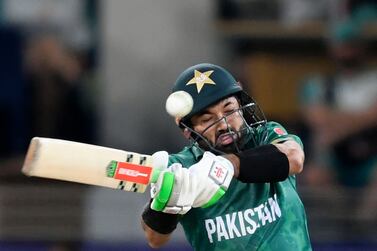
(85, 163)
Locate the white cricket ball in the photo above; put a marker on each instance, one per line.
(179, 104)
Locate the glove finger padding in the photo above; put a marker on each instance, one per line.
(160, 163)
(162, 190)
(183, 194)
(172, 191)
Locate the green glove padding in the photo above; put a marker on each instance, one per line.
(162, 198)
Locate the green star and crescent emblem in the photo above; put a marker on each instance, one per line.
(200, 79)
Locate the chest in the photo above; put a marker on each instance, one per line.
(246, 215)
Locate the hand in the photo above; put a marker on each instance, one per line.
(160, 163)
(178, 189)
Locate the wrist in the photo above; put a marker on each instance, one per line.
(160, 222)
(235, 161)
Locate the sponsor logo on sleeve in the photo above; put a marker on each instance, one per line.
(279, 131)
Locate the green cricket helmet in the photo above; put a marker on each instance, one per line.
(203, 85)
(206, 84)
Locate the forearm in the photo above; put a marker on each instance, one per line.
(235, 162)
(157, 226)
(295, 155)
(155, 239)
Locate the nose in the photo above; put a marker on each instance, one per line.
(222, 125)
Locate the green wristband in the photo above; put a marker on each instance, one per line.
(162, 198)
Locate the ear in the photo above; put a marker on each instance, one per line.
(186, 133)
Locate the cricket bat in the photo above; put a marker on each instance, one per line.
(90, 164)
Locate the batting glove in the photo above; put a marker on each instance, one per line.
(178, 189)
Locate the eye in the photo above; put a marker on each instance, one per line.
(206, 119)
(229, 108)
(229, 111)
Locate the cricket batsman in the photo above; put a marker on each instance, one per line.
(234, 186)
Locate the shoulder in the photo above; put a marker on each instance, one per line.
(275, 129)
(277, 133)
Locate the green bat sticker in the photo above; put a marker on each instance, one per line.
(111, 168)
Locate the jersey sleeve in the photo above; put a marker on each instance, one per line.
(276, 133)
(292, 181)
(187, 157)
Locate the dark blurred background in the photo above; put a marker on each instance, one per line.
(99, 72)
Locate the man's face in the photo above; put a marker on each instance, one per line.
(220, 124)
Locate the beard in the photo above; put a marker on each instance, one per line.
(229, 148)
(239, 140)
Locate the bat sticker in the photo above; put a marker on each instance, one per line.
(129, 172)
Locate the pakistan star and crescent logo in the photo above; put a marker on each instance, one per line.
(200, 79)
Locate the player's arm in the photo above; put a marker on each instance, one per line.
(154, 238)
(268, 163)
(295, 155)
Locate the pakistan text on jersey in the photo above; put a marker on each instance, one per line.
(242, 223)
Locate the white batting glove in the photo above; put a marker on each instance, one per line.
(178, 189)
(217, 172)
(160, 163)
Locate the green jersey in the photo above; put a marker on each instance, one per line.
(258, 216)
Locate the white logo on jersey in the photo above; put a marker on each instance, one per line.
(241, 223)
